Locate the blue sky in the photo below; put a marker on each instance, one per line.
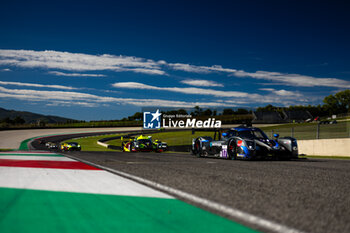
(108, 59)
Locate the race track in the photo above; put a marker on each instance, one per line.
(309, 195)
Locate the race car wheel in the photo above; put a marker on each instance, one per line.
(197, 148)
(232, 149)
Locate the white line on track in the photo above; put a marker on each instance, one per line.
(27, 153)
(232, 212)
(71, 180)
(41, 158)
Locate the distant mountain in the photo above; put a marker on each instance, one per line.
(30, 117)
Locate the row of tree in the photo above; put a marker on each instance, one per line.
(337, 103)
(16, 121)
(332, 105)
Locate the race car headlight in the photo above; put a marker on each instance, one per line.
(250, 144)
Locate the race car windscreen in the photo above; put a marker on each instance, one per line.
(252, 134)
(144, 141)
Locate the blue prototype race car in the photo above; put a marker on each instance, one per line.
(245, 143)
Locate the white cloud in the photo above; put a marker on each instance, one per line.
(281, 92)
(233, 97)
(72, 98)
(57, 73)
(68, 98)
(6, 70)
(72, 103)
(144, 71)
(37, 85)
(199, 69)
(77, 61)
(281, 78)
(185, 90)
(201, 83)
(85, 62)
(36, 95)
(294, 79)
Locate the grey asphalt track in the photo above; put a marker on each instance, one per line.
(311, 195)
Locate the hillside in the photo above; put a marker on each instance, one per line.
(30, 117)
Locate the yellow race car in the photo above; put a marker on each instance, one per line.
(143, 144)
(70, 146)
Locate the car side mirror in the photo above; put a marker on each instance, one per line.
(276, 135)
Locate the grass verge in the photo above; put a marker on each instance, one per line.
(173, 138)
(308, 131)
(325, 157)
(90, 143)
(178, 138)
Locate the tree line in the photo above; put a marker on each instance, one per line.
(332, 105)
(16, 121)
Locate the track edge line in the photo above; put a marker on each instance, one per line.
(232, 212)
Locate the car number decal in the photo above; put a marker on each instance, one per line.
(223, 152)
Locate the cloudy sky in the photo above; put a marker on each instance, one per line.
(107, 60)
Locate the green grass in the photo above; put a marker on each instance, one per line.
(115, 142)
(90, 143)
(325, 157)
(307, 131)
(174, 138)
(302, 131)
